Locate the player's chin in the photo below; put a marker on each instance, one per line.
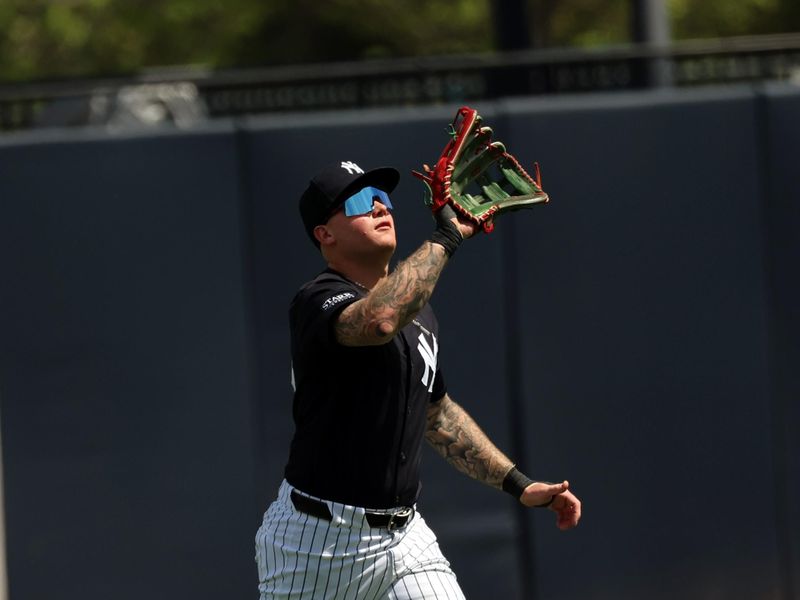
(385, 238)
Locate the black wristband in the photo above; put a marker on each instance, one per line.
(447, 235)
(515, 482)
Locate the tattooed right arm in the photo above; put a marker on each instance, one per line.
(394, 301)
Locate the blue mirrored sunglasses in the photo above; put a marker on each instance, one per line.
(363, 202)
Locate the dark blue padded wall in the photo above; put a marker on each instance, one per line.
(646, 322)
(124, 367)
(474, 523)
(781, 111)
(643, 334)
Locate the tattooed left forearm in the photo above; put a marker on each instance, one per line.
(456, 436)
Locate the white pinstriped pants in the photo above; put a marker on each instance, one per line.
(301, 557)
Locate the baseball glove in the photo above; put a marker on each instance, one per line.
(477, 177)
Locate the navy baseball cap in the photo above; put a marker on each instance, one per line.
(329, 188)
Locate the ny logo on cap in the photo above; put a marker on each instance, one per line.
(352, 167)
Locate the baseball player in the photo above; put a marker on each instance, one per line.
(367, 389)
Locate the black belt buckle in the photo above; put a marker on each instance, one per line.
(400, 518)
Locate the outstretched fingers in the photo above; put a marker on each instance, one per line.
(568, 510)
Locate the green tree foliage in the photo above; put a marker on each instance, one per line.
(598, 22)
(67, 38)
(62, 38)
(692, 19)
(311, 30)
(556, 23)
(73, 38)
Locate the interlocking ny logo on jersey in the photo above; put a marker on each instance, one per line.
(351, 167)
(430, 356)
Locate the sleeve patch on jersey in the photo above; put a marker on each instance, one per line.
(334, 300)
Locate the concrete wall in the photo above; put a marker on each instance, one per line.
(636, 336)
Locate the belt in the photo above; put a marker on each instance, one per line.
(319, 509)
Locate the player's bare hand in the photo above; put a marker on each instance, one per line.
(540, 492)
(566, 506)
(568, 510)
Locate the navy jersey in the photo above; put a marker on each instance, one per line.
(359, 412)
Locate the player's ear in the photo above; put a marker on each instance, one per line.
(323, 235)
